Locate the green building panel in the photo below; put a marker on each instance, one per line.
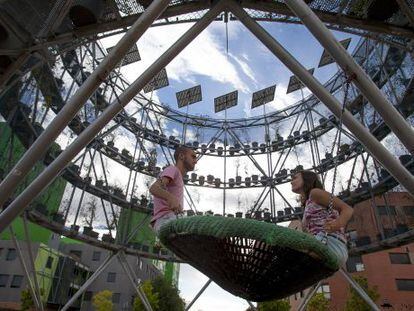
(129, 220)
(47, 203)
(45, 264)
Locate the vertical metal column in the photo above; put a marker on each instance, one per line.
(198, 295)
(309, 296)
(31, 261)
(369, 89)
(134, 281)
(35, 298)
(371, 144)
(50, 172)
(251, 305)
(89, 281)
(42, 143)
(359, 290)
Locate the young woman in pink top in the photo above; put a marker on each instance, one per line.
(168, 190)
(326, 225)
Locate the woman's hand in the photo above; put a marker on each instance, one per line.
(334, 225)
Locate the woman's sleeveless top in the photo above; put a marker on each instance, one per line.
(315, 216)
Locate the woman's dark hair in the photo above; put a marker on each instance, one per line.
(310, 181)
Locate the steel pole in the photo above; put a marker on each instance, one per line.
(359, 290)
(368, 88)
(89, 281)
(308, 296)
(32, 289)
(134, 281)
(43, 142)
(371, 144)
(50, 172)
(198, 295)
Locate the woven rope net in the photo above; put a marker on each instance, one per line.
(254, 260)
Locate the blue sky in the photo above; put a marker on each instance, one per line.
(247, 67)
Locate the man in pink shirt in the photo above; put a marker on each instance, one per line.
(168, 190)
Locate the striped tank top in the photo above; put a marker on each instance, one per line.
(315, 216)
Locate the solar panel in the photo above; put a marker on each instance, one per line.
(327, 59)
(295, 84)
(225, 101)
(160, 80)
(188, 96)
(131, 57)
(263, 96)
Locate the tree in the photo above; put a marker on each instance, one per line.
(151, 296)
(318, 302)
(102, 301)
(169, 298)
(26, 300)
(89, 212)
(274, 305)
(355, 302)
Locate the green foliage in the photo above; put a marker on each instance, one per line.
(162, 296)
(169, 295)
(318, 302)
(355, 302)
(102, 301)
(151, 296)
(26, 300)
(274, 305)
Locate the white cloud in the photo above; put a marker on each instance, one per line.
(212, 299)
(204, 56)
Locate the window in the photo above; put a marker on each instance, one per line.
(4, 278)
(87, 296)
(409, 210)
(76, 253)
(405, 284)
(111, 277)
(11, 254)
(400, 258)
(96, 256)
(16, 281)
(355, 264)
(325, 290)
(386, 210)
(116, 297)
(49, 262)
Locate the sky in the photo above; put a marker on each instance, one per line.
(247, 66)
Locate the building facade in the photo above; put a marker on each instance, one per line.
(113, 278)
(59, 276)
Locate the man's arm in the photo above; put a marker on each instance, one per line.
(159, 189)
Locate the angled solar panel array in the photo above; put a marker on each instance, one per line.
(131, 57)
(225, 101)
(189, 96)
(160, 80)
(327, 59)
(295, 84)
(264, 96)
